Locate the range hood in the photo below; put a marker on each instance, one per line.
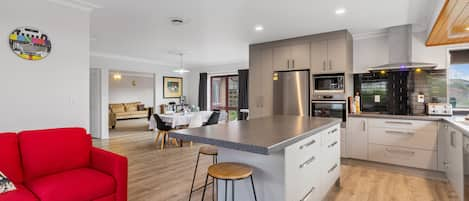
(400, 51)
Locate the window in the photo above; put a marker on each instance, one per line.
(224, 95)
(458, 79)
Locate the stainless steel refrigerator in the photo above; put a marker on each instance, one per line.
(291, 93)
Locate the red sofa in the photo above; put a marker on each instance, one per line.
(60, 165)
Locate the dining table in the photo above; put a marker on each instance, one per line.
(186, 119)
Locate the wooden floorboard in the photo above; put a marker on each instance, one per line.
(156, 175)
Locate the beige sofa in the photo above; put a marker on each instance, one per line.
(125, 111)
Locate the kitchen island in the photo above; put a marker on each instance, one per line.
(294, 158)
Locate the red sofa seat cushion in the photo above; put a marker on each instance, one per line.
(20, 194)
(74, 185)
(10, 161)
(52, 151)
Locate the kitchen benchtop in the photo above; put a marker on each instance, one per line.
(262, 135)
(457, 121)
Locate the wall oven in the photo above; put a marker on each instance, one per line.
(329, 108)
(328, 83)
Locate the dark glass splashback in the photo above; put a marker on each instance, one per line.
(383, 93)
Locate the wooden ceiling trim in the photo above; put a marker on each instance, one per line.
(450, 26)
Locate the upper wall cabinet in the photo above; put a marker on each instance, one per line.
(369, 52)
(331, 56)
(291, 57)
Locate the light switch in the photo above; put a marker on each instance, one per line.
(421, 98)
(377, 98)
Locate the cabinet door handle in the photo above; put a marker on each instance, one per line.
(399, 132)
(306, 197)
(332, 131)
(288, 63)
(451, 136)
(363, 125)
(308, 144)
(398, 122)
(293, 63)
(396, 151)
(332, 168)
(332, 145)
(324, 65)
(330, 64)
(307, 162)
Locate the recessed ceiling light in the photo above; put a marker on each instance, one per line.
(340, 11)
(467, 28)
(258, 28)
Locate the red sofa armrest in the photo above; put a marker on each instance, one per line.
(114, 165)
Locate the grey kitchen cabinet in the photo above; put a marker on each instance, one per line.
(291, 57)
(260, 83)
(454, 161)
(357, 138)
(369, 52)
(330, 56)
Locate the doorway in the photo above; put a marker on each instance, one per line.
(224, 94)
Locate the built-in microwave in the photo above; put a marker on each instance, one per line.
(328, 83)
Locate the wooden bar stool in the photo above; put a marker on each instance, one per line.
(209, 151)
(232, 172)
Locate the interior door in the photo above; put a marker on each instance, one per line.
(282, 57)
(300, 56)
(318, 56)
(454, 156)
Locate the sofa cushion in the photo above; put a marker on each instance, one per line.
(74, 185)
(10, 163)
(107, 198)
(46, 152)
(117, 108)
(21, 193)
(131, 107)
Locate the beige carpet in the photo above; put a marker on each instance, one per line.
(130, 127)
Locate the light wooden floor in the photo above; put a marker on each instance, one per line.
(156, 175)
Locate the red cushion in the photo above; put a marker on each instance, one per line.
(75, 185)
(20, 194)
(10, 163)
(51, 151)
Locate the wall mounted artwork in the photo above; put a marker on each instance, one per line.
(30, 43)
(172, 87)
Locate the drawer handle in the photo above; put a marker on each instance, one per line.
(398, 122)
(396, 151)
(332, 145)
(307, 162)
(308, 194)
(399, 132)
(332, 131)
(332, 168)
(308, 144)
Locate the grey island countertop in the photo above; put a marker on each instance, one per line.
(262, 135)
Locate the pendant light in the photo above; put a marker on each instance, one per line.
(181, 70)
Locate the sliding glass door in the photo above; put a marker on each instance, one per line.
(224, 95)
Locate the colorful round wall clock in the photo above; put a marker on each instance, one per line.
(30, 43)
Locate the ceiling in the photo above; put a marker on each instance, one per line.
(218, 32)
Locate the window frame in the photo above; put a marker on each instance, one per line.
(226, 106)
(448, 67)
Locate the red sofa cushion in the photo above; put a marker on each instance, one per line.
(10, 163)
(52, 151)
(74, 185)
(20, 194)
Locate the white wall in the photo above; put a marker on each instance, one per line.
(123, 91)
(53, 92)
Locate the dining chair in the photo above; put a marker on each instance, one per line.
(213, 119)
(163, 130)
